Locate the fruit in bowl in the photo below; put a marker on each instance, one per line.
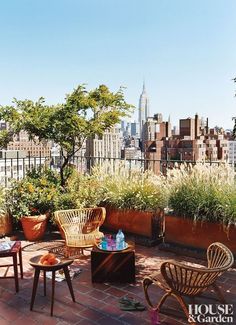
(48, 259)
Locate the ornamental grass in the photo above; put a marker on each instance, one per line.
(203, 192)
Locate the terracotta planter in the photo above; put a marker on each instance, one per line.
(5, 224)
(148, 224)
(183, 231)
(34, 227)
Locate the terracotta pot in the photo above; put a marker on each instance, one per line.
(142, 223)
(183, 231)
(34, 227)
(5, 224)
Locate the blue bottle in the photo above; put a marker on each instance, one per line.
(120, 240)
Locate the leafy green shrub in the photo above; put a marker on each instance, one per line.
(34, 195)
(115, 185)
(203, 192)
(84, 190)
(2, 198)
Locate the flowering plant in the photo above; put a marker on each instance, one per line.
(33, 195)
(85, 190)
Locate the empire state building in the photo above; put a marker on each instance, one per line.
(143, 108)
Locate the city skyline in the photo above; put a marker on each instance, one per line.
(185, 50)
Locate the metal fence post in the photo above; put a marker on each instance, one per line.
(5, 161)
(17, 165)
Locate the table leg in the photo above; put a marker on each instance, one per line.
(53, 289)
(68, 280)
(15, 271)
(44, 283)
(21, 264)
(35, 284)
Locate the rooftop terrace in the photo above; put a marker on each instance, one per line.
(95, 303)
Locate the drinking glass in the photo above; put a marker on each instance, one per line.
(104, 243)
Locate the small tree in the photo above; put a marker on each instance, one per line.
(82, 115)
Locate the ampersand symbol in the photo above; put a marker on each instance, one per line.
(191, 319)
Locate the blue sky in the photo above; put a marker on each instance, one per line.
(185, 50)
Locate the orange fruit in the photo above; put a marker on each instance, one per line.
(48, 258)
(52, 260)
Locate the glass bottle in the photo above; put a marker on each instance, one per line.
(120, 240)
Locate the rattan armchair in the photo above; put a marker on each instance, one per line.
(179, 279)
(80, 227)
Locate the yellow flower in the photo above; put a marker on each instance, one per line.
(43, 181)
(30, 188)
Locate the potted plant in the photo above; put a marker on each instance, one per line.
(134, 201)
(203, 203)
(5, 218)
(31, 200)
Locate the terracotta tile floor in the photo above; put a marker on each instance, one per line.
(95, 303)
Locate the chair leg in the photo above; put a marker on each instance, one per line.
(146, 283)
(163, 299)
(20, 261)
(218, 293)
(182, 303)
(15, 271)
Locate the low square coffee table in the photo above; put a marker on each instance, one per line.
(113, 266)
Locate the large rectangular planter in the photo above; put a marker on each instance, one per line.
(185, 232)
(145, 225)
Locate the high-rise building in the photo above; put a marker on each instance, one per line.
(232, 151)
(155, 129)
(190, 127)
(135, 129)
(34, 147)
(195, 142)
(143, 108)
(106, 146)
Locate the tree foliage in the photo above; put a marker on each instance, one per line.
(82, 115)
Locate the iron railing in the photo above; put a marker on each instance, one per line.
(16, 168)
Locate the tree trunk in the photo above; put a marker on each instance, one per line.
(65, 163)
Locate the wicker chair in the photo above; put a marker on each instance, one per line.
(80, 227)
(178, 279)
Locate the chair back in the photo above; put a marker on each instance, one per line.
(219, 256)
(192, 281)
(87, 219)
(80, 226)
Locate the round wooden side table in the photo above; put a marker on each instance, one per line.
(34, 261)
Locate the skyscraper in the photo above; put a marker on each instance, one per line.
(143, 108)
